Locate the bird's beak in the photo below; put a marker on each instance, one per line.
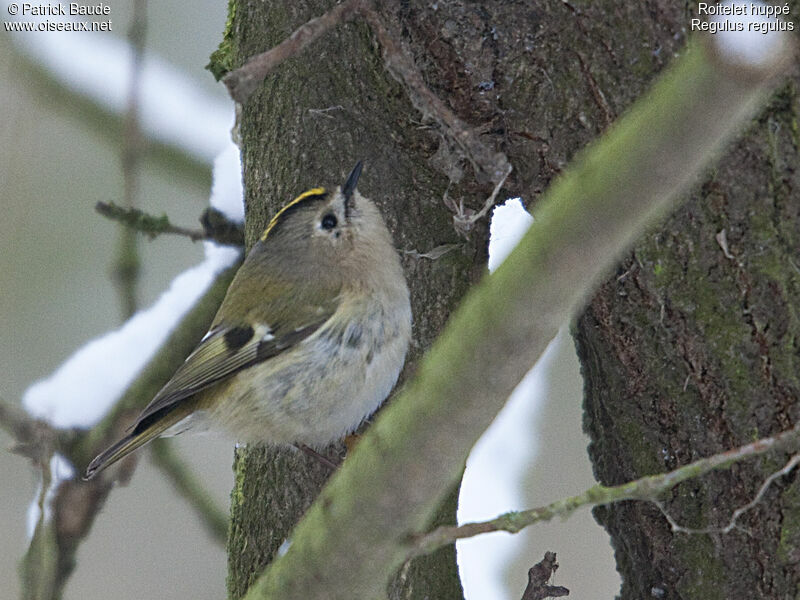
(350, 185)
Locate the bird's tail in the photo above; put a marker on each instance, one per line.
(143, 433)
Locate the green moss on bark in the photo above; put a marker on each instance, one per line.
(222, 60)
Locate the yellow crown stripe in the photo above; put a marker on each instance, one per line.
(312, 192)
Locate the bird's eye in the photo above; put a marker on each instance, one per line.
(329, 221)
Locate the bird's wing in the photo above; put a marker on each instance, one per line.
(226, 350)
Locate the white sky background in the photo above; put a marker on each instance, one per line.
(172, 106)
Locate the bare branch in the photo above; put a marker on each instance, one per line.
(647, 488)
(138, 220)
(216, 227)
(75, 504)
(464, 219)
(125, 272)
(242, 82)
(733, 523)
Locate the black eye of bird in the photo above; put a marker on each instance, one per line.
(329, 221)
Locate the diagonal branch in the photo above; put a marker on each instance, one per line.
(75, 504)
(242, 82)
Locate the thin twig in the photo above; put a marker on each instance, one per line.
(139, 221)
(242, 82)
(213, 518)
(647, 488)
(324, 111)
(432, 254)
(215, 226)
(488, 165)
(787, 468)
(733, 523)
(464, 219)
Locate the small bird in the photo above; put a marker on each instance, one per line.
(309, 340)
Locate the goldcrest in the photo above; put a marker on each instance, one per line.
(310, 337)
